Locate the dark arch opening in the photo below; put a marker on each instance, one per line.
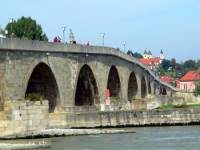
(132, 87)
(163, 91)
(113, 83)
(86, 90)
(149, 87)
(143, 88)
(42, 83)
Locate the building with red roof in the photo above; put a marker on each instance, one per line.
(167, 79)
(189, 80)
(150, 61)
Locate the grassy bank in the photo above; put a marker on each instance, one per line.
(180, 106)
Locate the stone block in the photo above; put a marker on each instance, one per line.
(2, 116)
(139, 104)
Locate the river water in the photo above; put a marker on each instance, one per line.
(149, 138)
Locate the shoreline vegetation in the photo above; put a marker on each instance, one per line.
(188, 105)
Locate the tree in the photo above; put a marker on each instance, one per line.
(189, 65)
(160, 70)
(129, 53)
(197, 90)
(166, 64)
(173, 63)
(198, 64)
(137, 55)
(26, 28)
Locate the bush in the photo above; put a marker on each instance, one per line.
(114, 98)
(197, 91)
(35, 97)
(131, 98)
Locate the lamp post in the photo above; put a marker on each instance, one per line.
(103, 37)
(63, 30)
(11, 20)
(124, 45)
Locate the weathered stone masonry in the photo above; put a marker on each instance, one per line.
(73, 80)
(20, 59)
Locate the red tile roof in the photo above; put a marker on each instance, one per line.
(191, 76)
(150, 61)
(167, 79)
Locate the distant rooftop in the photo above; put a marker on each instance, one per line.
(191, 76)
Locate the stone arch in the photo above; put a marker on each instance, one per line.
(113, 83)
(86, 89)
(143, 88)
(42, 83)
(132, 87)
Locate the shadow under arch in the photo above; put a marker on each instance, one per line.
(143, 88)
(149, 87)
(113, 83)
(132, 87)
(163, 91)
(42, 83)
(86, 89)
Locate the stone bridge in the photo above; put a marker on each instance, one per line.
(70, 75)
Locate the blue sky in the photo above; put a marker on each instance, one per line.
(171, 25)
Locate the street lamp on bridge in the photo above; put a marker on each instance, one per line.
(63, 30)
(103, 38)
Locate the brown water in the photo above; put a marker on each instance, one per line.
(151, 138)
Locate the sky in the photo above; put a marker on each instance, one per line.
(170, 25)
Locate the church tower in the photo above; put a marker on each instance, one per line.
(161, 55)
(145, 55)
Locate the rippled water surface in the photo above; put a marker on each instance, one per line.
(151, 138)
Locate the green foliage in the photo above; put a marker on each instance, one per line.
(173, 64)
(177, 70)
(137, 55)
(26, 28)
(171, 106)
(115, 98)
(167, 106)
(197, 90)
(161, 71)
(190, 65)
(131, 98)
(166, 64)
(35, 97)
